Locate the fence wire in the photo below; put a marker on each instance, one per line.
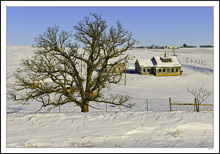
(156, 105)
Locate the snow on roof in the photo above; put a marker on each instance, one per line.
(145, 62)
(175, 62)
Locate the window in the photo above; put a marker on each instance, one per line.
(148, 70)
(159, 70)
(144, 70)
(166, 59)
(164, 70)
(176, 69)
(168, 70)
(172, 70)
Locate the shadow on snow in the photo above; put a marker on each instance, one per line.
(199, 69)
(13, 110)
(128, 71)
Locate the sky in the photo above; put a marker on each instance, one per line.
(172, 26)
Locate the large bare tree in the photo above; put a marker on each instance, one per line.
(54, 76)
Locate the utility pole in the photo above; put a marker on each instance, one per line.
(81, 63)
(125, 74)
(125, 71)
(174, 52)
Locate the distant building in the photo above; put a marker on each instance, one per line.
(148, 47)
(173, 47)
(206, 46)
(188, 46)
(153, 47)
(159, 66)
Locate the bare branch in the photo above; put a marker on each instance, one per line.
(199, 93)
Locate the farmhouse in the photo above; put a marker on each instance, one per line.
(159, 66)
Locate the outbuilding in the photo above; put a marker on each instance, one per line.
(118, 68)
(144, 66)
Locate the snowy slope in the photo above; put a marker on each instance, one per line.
(143, 126)
(111, 130)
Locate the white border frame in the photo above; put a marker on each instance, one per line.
(5, 4)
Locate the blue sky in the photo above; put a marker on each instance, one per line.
(149, 25)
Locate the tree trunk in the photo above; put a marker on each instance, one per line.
(198, 108)
(85, 107)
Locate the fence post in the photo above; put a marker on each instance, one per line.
(147, 103)
(197, 107)
(170, 104)
(106, 107)
(194, 105)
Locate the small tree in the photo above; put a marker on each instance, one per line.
(184, 45)
(53, 76)
(200, 94)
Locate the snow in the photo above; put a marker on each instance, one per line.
(111, 129)
(145, 62)
(149, 125)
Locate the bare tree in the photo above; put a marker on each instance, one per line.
(200, 94)
(53, 76)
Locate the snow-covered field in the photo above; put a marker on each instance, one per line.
(143, 126)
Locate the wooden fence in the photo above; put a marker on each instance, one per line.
(196, 104)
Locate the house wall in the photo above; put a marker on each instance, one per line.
(143, 70)
(169, 71)
(116, 69)
(146, 70)
(137, 68)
